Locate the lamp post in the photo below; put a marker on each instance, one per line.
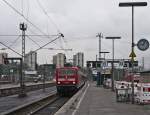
(132, 4)
(100, 36)
(112, 78)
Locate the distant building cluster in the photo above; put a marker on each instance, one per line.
(34, 71)
(60, 60)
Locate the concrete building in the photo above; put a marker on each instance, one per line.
(59, 60)
(2, 56)
(31, 60)
(78, 59)
(74, 60)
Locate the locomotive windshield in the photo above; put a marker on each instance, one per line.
(146, 89)
(67, 72)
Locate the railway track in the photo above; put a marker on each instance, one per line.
(46, 106)
(52, 108)
(31, 108)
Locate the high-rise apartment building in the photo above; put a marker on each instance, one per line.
(31, 60)
(59, 60)
(78, 59)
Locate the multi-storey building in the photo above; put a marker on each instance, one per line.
(31, 60)
(78, 59)
(59, 60)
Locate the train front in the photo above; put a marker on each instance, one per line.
(66, 80)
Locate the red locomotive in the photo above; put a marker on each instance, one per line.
(69, 79)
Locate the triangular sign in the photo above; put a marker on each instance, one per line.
(132, 54)
(132, 59)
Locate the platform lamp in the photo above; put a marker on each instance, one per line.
(132, 5)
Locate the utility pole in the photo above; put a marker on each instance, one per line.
(100, 36)
(23, 27)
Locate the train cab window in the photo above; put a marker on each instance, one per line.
(68, 72)
(122, 86)
(145, 89)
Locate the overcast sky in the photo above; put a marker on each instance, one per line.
(79, 21)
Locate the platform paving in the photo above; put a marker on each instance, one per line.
(10, 102)
(100, 101)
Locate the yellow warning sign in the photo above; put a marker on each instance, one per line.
(132, 59)
(132, 54)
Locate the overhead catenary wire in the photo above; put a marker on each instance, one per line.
(45, 12)
(14, 41)
(47, 36)
(30, 35)
(8, 35)
(33, 41)
(10, 48)
(61, 35)
(26, 18)
(22, 6)
(28, 9)
(23, 17)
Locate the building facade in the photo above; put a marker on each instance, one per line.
(2, 56)
(78, 59)
(59, 60)
(31, 60)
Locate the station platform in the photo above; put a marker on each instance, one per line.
(12, 102)
(95, 100)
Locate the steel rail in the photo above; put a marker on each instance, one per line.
(29, 108)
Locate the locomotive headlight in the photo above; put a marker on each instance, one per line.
(58, 82)
(74, 82)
